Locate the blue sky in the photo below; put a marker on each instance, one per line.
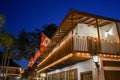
(32, 14)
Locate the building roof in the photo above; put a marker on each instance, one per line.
(73, 18)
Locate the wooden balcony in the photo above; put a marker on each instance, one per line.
(90, 44)
(58, 52)
(75, 49)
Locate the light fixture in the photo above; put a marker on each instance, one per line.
(107, 34)
(96, 58)
(18, 77)
(96, 61)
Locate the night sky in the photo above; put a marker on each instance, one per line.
(32, 14)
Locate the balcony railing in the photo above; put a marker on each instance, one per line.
(86, 44)
(9, 71)
(59, 51)
(90, 44)
(80, 43)
(108, 46)
(83, 44)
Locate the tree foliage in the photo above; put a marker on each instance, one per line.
(26, 44)
(6, 39)
(49, 29)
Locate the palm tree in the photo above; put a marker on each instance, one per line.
(2, 20)
(6, 40)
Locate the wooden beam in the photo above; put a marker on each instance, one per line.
(84, 19)
(99, 41)
(118, 30)
(75, 12)
(89, 22)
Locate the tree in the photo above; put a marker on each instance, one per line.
(27, 43)
(34, 40)
(49, 29)
(6, 40)
(2, 20)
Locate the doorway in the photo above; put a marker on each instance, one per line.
(86, 75)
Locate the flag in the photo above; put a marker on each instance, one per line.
(44, 42)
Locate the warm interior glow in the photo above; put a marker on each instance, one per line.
(85, 55)
(42, 74)
(56, 62)
(109, 56)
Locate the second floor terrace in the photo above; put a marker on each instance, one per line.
(88, 34)
(84, 33)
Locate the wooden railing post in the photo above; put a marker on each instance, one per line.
(117, 27)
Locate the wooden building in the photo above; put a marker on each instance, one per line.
(11, 72)
(80, 39)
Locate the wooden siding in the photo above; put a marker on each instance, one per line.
(64, 75)
(111, 63)
(112, 75)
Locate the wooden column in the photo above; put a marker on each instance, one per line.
(99, 43)
(118, 32)
(59, 37)
(118, 29)
(72, 32)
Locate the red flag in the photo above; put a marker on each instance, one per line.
(44, 42)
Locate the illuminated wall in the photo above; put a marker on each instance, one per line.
(109, 32)
(86, 30)
(81, 67)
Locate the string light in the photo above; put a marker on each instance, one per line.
(109, 56)
(54, 52)
(56, 62)
(87, 55)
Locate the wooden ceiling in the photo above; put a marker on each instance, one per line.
(75, 17)
(70, 61)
